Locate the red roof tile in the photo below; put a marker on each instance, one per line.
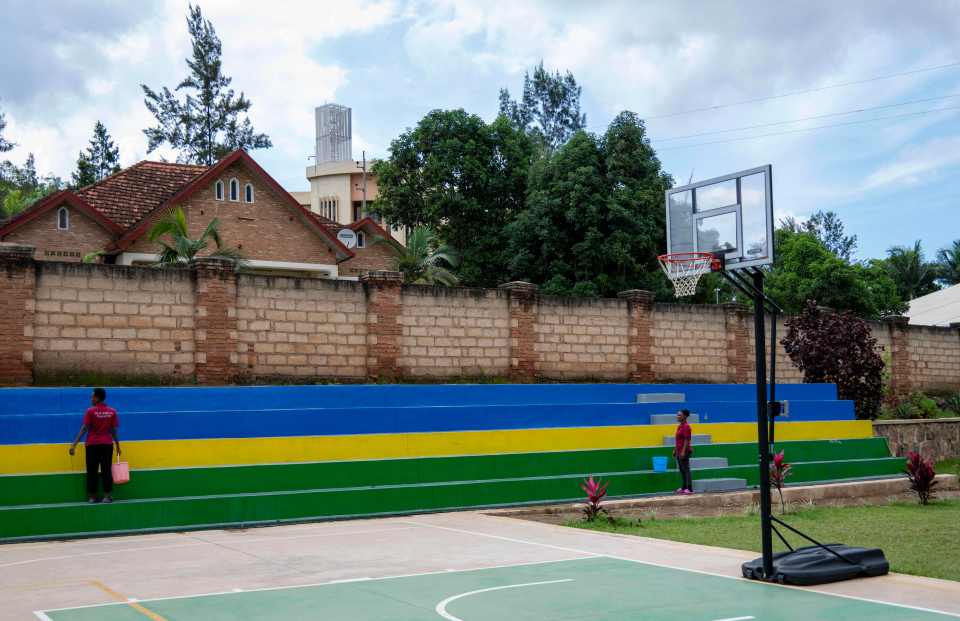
(129, 195)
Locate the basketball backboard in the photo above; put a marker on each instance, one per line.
(732, 214)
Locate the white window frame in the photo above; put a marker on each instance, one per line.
(234, 198)
(248, 196)
(65, 212)
(218, 193)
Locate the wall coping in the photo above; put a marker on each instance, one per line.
(916, 421)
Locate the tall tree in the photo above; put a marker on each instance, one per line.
(549, 108)
(594, 222)
(206, 125)
(806, 270)
(948, 262)
(21, 186)
(828, 228)
(101, 159)
(910, 271)
(5, 145)
(462, 177)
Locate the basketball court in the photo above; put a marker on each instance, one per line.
(457, 566)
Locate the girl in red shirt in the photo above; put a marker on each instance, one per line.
(100, 424)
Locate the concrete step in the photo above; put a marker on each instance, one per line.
(670, 419)
(696, 463)
(695, 439)
(718, 485)
(661, 397)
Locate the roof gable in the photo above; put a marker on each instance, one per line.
(57, 200)
(210, 175)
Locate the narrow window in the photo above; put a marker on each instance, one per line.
(248, 193)
(234, 190)
(63, 219)
(218, 191)
(361, 242)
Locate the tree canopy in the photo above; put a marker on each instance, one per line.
(948, 263)
(805, 269)
(210, 121)
(5, 145)
(21, 186)
(548, 109)
(827, 227)
(910, 271)
(102, 158)
(594, 222)
(464, 178)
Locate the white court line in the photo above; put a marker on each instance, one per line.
(197, 541)
(695, 571)
(327, 583)
(41, 615)
(736, 619)
(441, 608)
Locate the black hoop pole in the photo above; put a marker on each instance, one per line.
(773, 371)
(763, 444)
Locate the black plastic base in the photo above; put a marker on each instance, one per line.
(814, 565)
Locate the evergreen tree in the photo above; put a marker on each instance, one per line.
(948, 262)
(206, 125)
(101, 159)
(5, 145)
(910, 271)
(549, 108)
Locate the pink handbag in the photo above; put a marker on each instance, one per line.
(121, 471)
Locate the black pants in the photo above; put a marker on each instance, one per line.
(99, 457)
(683, 463)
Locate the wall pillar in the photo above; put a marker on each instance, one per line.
(738, 343)
(901, 369)
(18, 285)
(216, 320)
(640, 361)
(384, 306)
(523, 318)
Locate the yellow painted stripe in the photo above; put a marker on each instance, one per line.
(42, 458)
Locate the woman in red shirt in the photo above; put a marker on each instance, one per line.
(682, 448)
(100, 424)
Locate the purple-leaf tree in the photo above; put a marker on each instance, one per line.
(779, 471)
(923, 478)
(837, 348)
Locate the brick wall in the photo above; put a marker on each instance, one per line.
(116, 319)
(690, 343)
(207, 323)
(581, 338)
(300, 327)
(373, 257)
(451, 332)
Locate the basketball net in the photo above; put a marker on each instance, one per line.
(684, 270)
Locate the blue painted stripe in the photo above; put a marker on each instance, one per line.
(61, 400)
(54, 428)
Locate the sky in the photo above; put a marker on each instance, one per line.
(886, 165)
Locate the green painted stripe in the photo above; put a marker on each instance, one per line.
(164, 483)
(186, 512)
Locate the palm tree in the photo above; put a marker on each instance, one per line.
(910, 271)
(948, 260)
(181, 248)
(425, 261)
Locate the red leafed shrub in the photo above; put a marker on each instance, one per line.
(779, 471)
(595, 493)
(837, 348)
(922, 476)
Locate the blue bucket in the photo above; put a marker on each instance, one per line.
(659, 464)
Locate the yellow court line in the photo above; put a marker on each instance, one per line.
(135, 605)
(143, 454)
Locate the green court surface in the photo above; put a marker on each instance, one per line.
(600, 588)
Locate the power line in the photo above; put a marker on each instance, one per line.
(807, 118)
(809, 129)
(808, 90)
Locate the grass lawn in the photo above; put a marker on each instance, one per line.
(916, 540)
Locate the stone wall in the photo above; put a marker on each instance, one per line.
(454, 332)
(935, 439)
(581, 338)
(209, 324)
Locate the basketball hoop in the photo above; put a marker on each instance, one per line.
(684, 269)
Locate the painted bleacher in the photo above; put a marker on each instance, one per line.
(204, 457)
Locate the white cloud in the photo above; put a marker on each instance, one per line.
(917, 163)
